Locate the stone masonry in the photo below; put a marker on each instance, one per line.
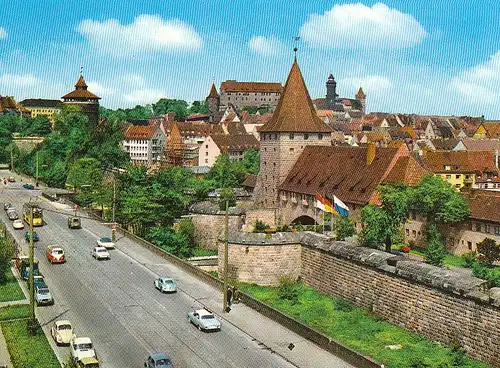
(443, 305)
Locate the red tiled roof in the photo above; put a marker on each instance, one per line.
(406, 171)
(444, 144)
(140, 131)
(81, 94)
(234, 86)
(459, 161)
(492, 129)
(213, 92)
(81, 82)
(360, 94)
(481, 144)
(484, 205)
(340, 171)
(295, 111)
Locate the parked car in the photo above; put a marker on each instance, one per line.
(100, 253)
(7, 205)
(159, 360)
(106, 243)
(55, 254)
(18, 224)
(43, 295)
(81, 347)
(28, 186)
(11, 179)
(166, 285)
(74, 222)
(12, 214)
(38, 280)
(89, 363)
(35, 236)
(204, 319)
(62, 332)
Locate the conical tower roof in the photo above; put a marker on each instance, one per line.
(295, 111)
(213, 92)
(360, 95)
(81, 83)
(175, 139)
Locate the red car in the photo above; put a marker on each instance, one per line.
(55, 254)
(11, 179)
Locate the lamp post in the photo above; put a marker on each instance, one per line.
(225, 307)
(32, 321)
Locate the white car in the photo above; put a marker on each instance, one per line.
(18, 224)
(166, 285)
(100, 253)
(81, 347)
(106, 243)
(62, 332)
(204, 319)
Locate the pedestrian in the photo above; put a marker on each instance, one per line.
(229, 296)
(236, 295)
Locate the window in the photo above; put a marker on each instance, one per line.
(497, 230)
(206, 153)
(292, 149)
(448, 177)
(206, 160)
(320, 136)
(487, 228)
(458, 185)
(478, 226)
(457, 176)
(206, 146)
(447, 167)
(414, 233)
(291, 136)
(469, 245)
(407, 232)
(306, 136)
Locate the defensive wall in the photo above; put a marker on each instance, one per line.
(443, 305)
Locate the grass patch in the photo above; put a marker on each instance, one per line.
(202, 252)
(14, 312)
(26, 350)
(361, 330)
(449, 259)
(10, 290)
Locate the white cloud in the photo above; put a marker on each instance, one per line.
(267, 46)
(369, 83)
(353, 26)
(3, 33)
(101, 90)
(20, 80)
(144, 96)
(136, 80)
(480, 83)
(147, 33)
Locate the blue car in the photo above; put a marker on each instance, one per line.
(28, 186)
(159, 360)
(35, 236)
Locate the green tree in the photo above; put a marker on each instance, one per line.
(226, 194)
(5, 257)
(225, 174)
(343, 228)
(85, 172)
(376, 223)
(40, 126)
(164, 105)
(198, 107)
(251, 162)
(171, 241)
(434, 250)
(488, 252)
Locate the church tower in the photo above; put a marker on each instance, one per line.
(293, 126)
(213, 100)
(86, 100)
(361, 97)
(331, 92)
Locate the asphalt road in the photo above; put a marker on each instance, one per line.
(115, 303)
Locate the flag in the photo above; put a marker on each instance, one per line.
(324, 204)
(340, 206)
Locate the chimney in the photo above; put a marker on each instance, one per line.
(496, 159)
(371, 149)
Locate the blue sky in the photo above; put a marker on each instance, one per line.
(440, 57)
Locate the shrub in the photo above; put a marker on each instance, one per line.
(469, 258)
(260, 226)
(342, 305)
(489, 251)
(343, 228)
(434, 251)
(492, 275)
(5, 256)
(226, 194)
(288, 289)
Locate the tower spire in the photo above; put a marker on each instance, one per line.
(295, 48)
(81, 70)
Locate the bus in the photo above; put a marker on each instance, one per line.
(37, 213)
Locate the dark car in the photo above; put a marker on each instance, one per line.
(159, 360)
(7, 205)
(28, 186)
(74, 222)
(35, 236)
(12, 214)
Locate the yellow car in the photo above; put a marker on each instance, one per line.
(88, 363)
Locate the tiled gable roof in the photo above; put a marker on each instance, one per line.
(140, 131)
(444, 144)
(459, 161)
(492, 129)
(406, 171)
(340, 171)
(295, 111)
(234, 86)
(240, 142)
(484, 205)
(81, 82)
(481, 144)
(39, 102)
(250, 181)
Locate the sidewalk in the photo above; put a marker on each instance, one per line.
(4, 353)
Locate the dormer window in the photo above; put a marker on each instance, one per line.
(306, 136)
(447, 167)
(291, 136)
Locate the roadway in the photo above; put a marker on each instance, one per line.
(115, 303)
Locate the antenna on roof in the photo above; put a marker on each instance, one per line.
(295, 48)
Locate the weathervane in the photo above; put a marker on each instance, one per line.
(81, 70)
(295, 48)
